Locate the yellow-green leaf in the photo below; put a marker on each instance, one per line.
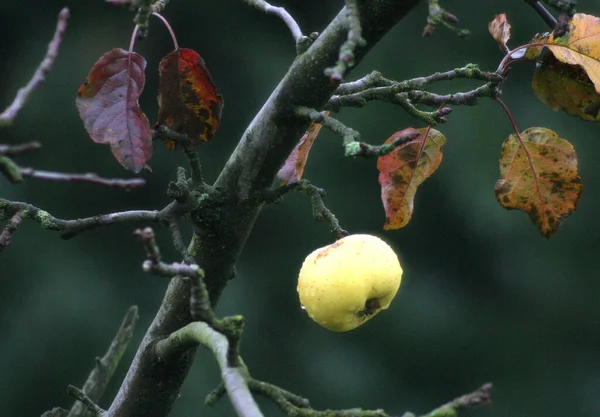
(538, 175)
(580, 46)
(566, 87)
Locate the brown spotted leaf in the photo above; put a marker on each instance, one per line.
(188, 100)
(580, 46)
(566, 87)
(402, 171)
(294, 165)
(499, 28)
(539, 176)
(108, 105)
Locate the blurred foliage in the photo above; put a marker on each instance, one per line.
(484, 297)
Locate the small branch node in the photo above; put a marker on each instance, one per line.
(75, 392)
(437, 15)
(355, 40)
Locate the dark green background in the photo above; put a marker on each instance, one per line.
(484, 296)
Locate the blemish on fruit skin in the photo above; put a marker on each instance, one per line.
(326, 250)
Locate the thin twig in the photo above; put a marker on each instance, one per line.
(351, 138)
(14, 150)
(71, 228)
(376, 87)
(98, 380)
(75, 392)
(55, 412)
(9, 229)
(481, 396)
(281, 13)
(141, 20)
(154, 264)
(159, 5)
(178, 243)
(194, 160)
(543, 13)
(345, 60)
(88, 177)
(7, 117)
(320, 211)
(438, 15)
(293, 405)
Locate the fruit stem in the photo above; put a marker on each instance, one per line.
(175, 44)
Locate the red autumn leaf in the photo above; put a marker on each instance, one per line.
(402, 171)
(108, 105)
(539, 176)
(188, 100)
(294, 165)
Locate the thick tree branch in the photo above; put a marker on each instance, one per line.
(7, 117)
(98, 380)
(224, 218)
(235, 379)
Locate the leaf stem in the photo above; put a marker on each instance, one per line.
(169, 28)
(522, 145)
(136, 29)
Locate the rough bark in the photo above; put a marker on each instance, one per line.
(224, 218)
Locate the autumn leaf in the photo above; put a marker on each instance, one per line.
(188, 100)
(566, 87)
(293, 168)
(402, 171)
(108, 105)
(539, 176)
(499, 28)
(580, 46)
(536, 46)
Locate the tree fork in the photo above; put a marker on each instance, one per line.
(225, 217)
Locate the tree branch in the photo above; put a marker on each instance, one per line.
(98, 380)
(235, 379)
(88, 177)
(346, 56)
(352, 145)
(410, 92)
(13, 150)
(543, 13)
(438, 15)
(71, 228)
(481, 396)
(9, 229)
(7, 117)
(224, 217)
(79, 395)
